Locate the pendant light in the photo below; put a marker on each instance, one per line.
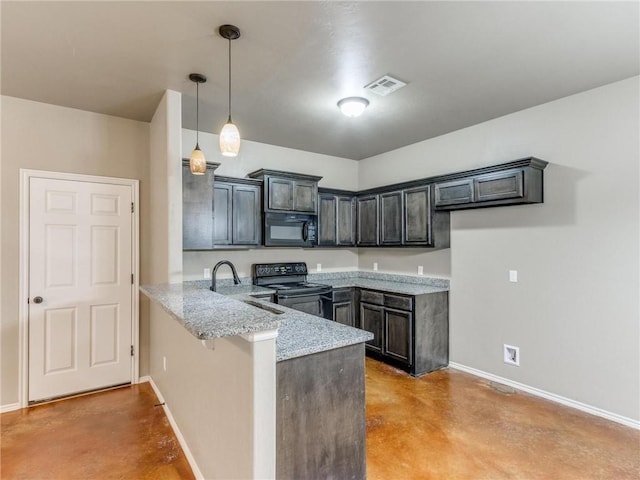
(197, 162)
(229, 136)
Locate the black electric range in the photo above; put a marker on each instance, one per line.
(289, 280)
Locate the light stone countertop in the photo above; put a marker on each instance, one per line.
(224, 313)
(208, 315)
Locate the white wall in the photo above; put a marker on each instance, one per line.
(336, 173)
(574, 313)
(47, 137)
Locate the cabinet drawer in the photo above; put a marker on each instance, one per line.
(398, 302)
(375, 298)
(342, 295)
(498, 186)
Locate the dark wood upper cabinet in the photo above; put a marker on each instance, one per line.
(368, 218)
(222, 213)
(454, 192)
(197, 208)
(514, 183)
(417, 216)
(499, 186)
(391, 218)
(288, 192)
(336, 219)
(237, 212)
(327, 211)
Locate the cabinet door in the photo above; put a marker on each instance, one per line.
(368, 220)
(391, 218)
(197, 210)
(343, 313)
(417, 216)
(222, 213)
(327, 219)
(397, 335)
(371, 320)
(346, 234)
(304, 196)
(499, 186)
(246, 215)
(454, 192)
(280, 194)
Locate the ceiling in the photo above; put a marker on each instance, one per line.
(464, 62)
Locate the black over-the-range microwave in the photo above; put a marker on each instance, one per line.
(290, 230)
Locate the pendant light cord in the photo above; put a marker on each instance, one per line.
(197, 113)
(229, 80)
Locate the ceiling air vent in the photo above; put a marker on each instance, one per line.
(385, 85)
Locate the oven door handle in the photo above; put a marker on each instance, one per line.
(305, 231)
(300, 295)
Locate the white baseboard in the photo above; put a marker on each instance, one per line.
(185, 448)
(145, 379)
(629, 422)
(10, 407)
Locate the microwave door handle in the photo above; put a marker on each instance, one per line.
(305, 231)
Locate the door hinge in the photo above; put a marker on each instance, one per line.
(132, 350)
(132, 279)
(131, 207)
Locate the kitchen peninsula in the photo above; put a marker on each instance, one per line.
(232, 388)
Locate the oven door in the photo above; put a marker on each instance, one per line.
(311, 304)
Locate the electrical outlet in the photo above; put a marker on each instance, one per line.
(206, 273)
(420, 270)
(513, 276)
(319, 267)
(375, 266)
(164, 363)
(511, 355)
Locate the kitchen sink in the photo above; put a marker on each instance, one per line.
(268, 308)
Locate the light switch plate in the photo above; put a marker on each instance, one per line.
(513, 276)
(207, 273)
(375, 266)
(318, 267)
(420, 270)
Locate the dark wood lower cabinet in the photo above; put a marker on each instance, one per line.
(410, 331)
(397, 334)
(371, 319)
(320, 416)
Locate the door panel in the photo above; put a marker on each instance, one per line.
(60, 340)
(80, 263)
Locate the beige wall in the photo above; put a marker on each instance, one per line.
(222, 398)
(336, 173)
(574, 313)
(47, 137)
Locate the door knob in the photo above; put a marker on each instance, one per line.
(37, 300)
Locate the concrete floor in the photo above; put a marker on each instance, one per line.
(117, 434)
(452, 425)
(445, 425)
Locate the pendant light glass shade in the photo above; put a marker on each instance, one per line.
(229, 135)
(197, 162)
(229, 140)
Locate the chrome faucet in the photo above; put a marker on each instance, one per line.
(236, 280)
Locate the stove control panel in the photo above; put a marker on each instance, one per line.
(279, 269)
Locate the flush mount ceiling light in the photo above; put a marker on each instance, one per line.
(229, 136)
(353, 106)
(197, 162)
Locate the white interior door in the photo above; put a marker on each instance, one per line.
(80, 298)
